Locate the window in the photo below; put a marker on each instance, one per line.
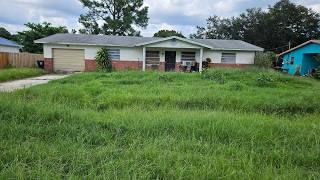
(152, 58)
(114, 54)
(188, 56)
(228, 58)
(292, 60)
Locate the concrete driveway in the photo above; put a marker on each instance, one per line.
(28, 82)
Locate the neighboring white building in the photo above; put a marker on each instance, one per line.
(75, 52)
(9, 46)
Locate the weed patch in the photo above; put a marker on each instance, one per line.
(136, 125)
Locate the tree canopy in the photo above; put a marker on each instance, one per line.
(168, 33)
(117, 17)
(273, 29)
(5, 33)
(37, 31)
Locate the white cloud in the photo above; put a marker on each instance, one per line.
(153, 28)
(180, 15)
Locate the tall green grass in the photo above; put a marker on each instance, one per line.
(136, 125)
(19, 73)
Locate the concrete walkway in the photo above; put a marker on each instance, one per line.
(26, 83)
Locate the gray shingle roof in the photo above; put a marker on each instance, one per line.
(228, 44)
(129, 41)
(6, 42)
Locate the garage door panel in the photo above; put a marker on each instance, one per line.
(68, 59)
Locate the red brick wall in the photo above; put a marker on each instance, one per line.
(127, 65)
(229, 65)
(90, 65)
(178, 67)
(162, 66)
(48, 64)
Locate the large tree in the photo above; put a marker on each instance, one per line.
(291, 22)
(5, 33)
(114, 17)
(168, 33)
(273, 29)
(37, 31)
(216, 28)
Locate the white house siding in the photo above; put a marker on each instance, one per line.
(135, 53)
(9, 49)
(215, 56)
(242, 57)
(245, 57)
(126, 53)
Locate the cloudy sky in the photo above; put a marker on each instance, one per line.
(181, 15)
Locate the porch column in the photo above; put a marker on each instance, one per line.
(144, 59)
(201, 59)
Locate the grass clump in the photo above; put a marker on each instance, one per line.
(132, 125)
(19, 73)
(264, 80)
(214, 75)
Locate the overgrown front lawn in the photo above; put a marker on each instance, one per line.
(19, 73)
(224, 124)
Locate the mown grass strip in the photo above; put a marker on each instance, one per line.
(19, 73)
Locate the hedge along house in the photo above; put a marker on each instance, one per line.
(75, 52)
(303, 59)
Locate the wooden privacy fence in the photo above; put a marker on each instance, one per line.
(19, 59)
(4, 60)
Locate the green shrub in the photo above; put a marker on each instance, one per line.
(317, 73)
(264, 60)
(214, 75)
(104, 62)
(205, 64)
(264, 80)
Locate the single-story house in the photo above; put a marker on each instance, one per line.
(9, 46)
(303, 59)
(76, 52)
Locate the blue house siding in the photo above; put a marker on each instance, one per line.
(303, 59)
(309, 63)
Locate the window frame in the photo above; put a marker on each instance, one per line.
(114, 57)
(153, 59)
(228, 62)
(188, 53)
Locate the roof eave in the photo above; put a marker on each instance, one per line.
(173, 37)
(17, 46)
(299, 46)
(80, 44)
(224, 49)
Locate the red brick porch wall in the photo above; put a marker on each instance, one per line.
(212, 65)
(178, 67)
(90, 65)
(48, 64)
(162, 66)
(127, 65)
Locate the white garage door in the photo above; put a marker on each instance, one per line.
(68, 60)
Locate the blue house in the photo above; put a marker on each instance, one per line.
(303, 59)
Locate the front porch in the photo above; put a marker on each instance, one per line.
(172, 59)
(172, 54)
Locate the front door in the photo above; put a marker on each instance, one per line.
(170, 61)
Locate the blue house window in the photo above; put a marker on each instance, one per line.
(292, 60)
